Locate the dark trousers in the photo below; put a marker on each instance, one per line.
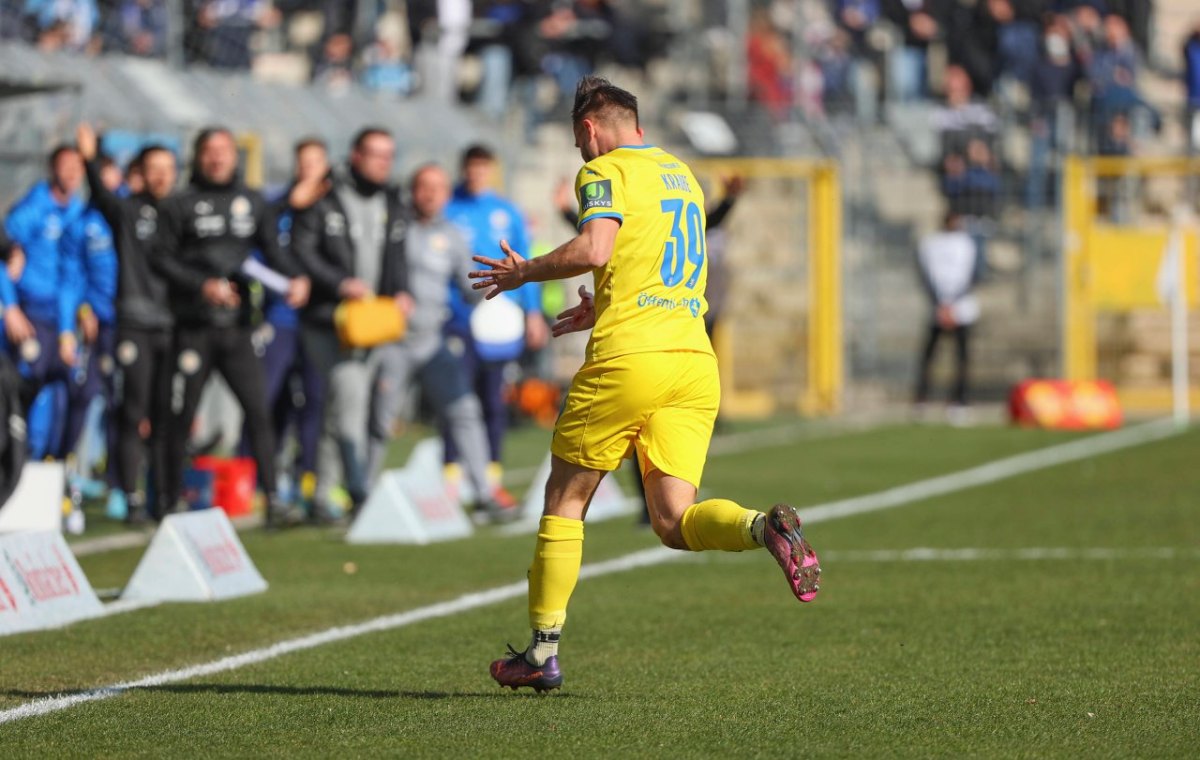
(961, 335)
(38, 361)
(142, 410)
(91, 377)
(487, 381)
(295, 394)
(40, 367)
(229, 350)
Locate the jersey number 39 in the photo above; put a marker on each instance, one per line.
(686, 243)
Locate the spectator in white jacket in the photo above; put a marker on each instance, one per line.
(950, 263)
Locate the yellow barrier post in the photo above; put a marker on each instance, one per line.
(1079, 312)
(824, 391)
(250, 145)
(823, 362)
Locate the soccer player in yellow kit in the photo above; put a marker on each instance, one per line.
(649, 382)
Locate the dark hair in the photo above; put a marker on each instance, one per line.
(309, 142)
(60, 149)
(207, 134)
(201, 140)
(106, 161)
(477, 152)
(361, 136)
(596, 95)
(140, 159)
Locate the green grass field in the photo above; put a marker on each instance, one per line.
(993, 654)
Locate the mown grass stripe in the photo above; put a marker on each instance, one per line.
(889, 498)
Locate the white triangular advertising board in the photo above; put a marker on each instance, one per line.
(41, 584)
(608, 502)
(428, 459)
(36, 502)
(409, 508)
(194, 557)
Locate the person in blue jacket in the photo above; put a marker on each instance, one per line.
(284, 361)
(89, 308)
(497, 331)
(32, 303)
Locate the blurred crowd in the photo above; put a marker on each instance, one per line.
(1065, 72)
(334, 313)
(387, 46)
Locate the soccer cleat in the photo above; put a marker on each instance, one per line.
(514, 671)
(785, 540)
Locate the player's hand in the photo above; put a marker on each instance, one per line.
(577, 318)
(732, 185)
(353, 289)
(406, 304)
(17, 325)
(220, 292)
(16, 263)
(945, 317)
(536, 331)
(505, 274)
(67, 348)
(85, 140)
(88, 325)
(298, 291)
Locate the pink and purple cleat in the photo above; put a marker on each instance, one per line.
(785, 540)
(514, 671)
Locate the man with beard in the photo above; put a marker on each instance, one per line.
(205, 237)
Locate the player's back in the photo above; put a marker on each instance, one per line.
(650, 294)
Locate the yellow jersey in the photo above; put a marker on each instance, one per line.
(650, 294)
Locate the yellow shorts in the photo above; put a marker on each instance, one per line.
(662, 403)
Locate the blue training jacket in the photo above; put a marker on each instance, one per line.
(89, 270)
(485, 220)
(37, 223)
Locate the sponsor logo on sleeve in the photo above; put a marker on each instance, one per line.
(595, 195)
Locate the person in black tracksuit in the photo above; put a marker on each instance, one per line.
(144, 322)
(206, 234)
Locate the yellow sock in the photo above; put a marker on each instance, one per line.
(718, 524)
(554, 571)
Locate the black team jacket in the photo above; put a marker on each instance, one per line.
(322, 244)
(208, 231)
(141, 290)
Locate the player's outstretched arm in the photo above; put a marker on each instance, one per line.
(591, 248)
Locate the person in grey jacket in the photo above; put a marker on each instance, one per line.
(350, 240)
(438, 256)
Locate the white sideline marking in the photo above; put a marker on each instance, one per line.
(1001, 469)
(894, 497)
(463, 603)
(1033, 553)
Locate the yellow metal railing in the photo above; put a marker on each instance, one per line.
(822, 215)
(1110, 267)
